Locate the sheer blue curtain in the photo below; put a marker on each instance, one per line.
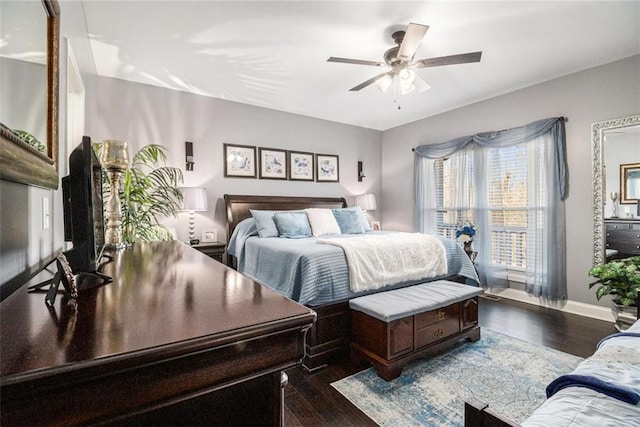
(544, 142)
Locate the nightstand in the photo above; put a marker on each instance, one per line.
(213, 249)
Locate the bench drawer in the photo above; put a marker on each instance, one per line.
(434, 316)
(437, 332)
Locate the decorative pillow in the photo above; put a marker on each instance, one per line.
(322, 221)
(292, 225)
(348, 221)
(264, 222)
(363, 218)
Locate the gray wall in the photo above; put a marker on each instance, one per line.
(597, 94)
(142, 114)
(23, 242)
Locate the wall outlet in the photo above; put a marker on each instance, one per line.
(46, 214)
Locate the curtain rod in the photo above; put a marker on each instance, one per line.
(564, 118)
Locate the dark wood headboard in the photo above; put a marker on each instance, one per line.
(238, 206)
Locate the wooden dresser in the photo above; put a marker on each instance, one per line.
(623, 235)
(176, 338)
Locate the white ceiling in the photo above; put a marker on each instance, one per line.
(273, 54)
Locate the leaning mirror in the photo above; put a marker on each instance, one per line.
(29, 37)
(614, 142)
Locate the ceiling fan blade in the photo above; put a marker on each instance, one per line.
(370, 81)
(412, 38)
(355, 61)
(448, 60)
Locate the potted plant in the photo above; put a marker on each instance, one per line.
(149, 192)
(620, 278)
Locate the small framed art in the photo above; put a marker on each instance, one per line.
(327, 168)
(239, 161)
(273, 163)
(209, 236)
(300, 166)
(375, 225)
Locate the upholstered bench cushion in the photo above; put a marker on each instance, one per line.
(399, 303)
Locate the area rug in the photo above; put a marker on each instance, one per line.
(507, 373)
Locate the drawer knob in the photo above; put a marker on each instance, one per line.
(440, 315)
(608, 235)
(438, 333)
(615, 226)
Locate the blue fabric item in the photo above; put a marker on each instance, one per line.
(621, 393)
(397, 304)
(292, 225)
(619, 334)
(358, 210)
(349, 221)
(315, 274)
(265, 223)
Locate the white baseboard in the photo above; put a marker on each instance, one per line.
(573, 307)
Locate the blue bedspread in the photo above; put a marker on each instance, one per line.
(312, 273)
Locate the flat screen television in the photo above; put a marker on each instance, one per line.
(83, 209)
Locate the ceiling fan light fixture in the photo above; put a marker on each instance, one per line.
(406, 76)
(384, 83)
(407, 88)
(421, 85)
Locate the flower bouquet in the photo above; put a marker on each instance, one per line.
(465, 233)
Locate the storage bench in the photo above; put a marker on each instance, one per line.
(391, 328)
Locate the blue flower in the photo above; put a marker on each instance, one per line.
(465, 232)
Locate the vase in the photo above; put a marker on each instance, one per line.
(624, 316)
(468, 248)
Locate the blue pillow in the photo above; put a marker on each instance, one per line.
(264, 223)
(349, 221)
(358, 210)
(292, 225)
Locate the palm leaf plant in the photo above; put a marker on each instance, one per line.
(149, 192)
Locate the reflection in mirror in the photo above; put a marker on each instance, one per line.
(29, 36)
(614, 142)
(630, 181)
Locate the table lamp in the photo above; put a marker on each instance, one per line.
(194, 199)
(367, 202)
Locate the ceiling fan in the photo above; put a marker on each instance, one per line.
(400, 59)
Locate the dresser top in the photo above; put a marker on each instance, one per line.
(165, 296)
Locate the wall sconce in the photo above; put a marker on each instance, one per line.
(189, 154)
(360, 173)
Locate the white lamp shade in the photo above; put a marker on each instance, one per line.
(194, 199)
(367, 201)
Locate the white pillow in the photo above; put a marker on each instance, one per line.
(322, 221)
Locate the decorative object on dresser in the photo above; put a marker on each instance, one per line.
(239, 161)
(194, 199)
(150, 191)
(614, 204)
(209, 236)
(214, 250)
(115, 160)
(300, 166)
(328, 168)
(273, 163)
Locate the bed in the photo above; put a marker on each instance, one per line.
(310, 273)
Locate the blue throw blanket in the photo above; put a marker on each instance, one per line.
(619, 392)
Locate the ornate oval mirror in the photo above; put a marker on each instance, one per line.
(606, 188)
(29, 105)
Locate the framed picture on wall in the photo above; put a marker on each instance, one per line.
(239, 161)
(300, 166)
(327, 168)
(375, 225)
(273, 163)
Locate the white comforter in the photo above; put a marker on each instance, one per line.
(377, 260)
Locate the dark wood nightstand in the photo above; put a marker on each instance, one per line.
(213, 249)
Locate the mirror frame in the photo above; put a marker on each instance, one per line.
(20, 162)
(597, 138)
(625, 199)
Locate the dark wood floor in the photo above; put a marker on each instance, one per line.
(311, 401)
